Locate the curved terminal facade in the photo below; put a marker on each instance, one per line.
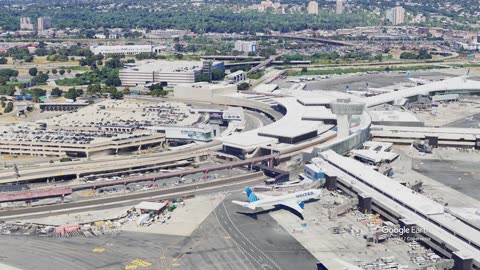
(313, 121)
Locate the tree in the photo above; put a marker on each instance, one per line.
(69, 71)
(126, 91)
(56, 92)
(178, 47)
(73, 93)
(304, 70)
(99, 63)
(116, 95)
(243, 86)
(54, 71)
(158, 92)
(203, 77)
(37, 92)
(33, 71)
(7, 90)
(217, 75)
(114, 63)
(113, 80)
(2, 103)
(9, 107)
(62, 72)
(41, 78)
(3, 60)
(94, 89)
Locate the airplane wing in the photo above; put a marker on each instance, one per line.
(294, 205)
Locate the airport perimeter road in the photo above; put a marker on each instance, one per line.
(132, 198)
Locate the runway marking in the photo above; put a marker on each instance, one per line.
(98, 250)
(141, 263)
(131, 267)
(227, 237)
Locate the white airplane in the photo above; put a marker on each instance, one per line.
(417, 81)
(294, 201)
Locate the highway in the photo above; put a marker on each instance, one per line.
(265, 63)
(321, 40)
(132, 198)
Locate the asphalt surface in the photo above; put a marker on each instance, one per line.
(357, 82)
(79, 253)
(266, 244)
(227, 239)
(462, 176)
(473, 122)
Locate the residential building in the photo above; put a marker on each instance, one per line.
(44, 23)
(26, 23)
(396, 15)
(312, 8)
(339, 7)
(245, 46)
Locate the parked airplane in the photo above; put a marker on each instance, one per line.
(294, 201)
(417, 81)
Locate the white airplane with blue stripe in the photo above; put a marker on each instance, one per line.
(294, 201)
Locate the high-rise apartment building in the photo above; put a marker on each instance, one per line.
(245, 46)
(312, 8)
(44, 23)
(339, 7)
(396, 15)
(26, 23)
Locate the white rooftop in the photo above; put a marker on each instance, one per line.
(375, 156)
(154, 206)
(451, 84)
(166, 66)
(387, 185)
(247, 141)
(393, 116)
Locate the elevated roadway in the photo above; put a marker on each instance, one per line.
(132, 198)
(28, 195)
(78, 169)
(265, 63)
(318, 40)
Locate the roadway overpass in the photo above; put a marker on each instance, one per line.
(319, 40)
(132, 198)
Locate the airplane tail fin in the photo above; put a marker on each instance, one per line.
(251, 195)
